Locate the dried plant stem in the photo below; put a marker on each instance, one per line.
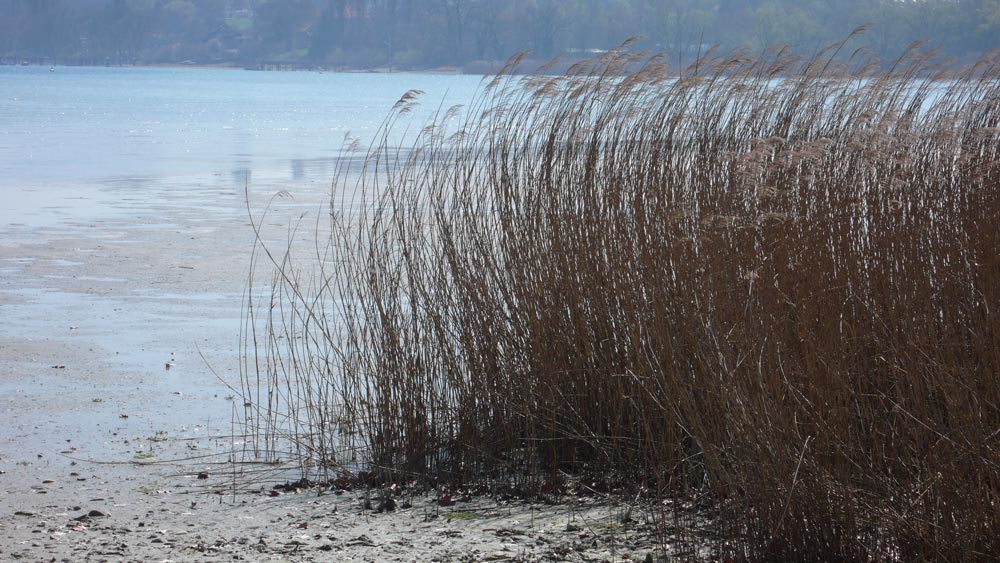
(676, 284)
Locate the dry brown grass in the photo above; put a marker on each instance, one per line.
(768, 285)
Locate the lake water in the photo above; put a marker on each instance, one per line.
(125, 240)
(70, 133)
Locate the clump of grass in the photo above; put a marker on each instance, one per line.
(461, 516)
(768, 286)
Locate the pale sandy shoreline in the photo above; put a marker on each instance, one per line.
(182, 522)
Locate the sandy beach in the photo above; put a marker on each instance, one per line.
(190, 525)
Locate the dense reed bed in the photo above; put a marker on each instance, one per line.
(768, 286)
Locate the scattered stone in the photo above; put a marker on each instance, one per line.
(92, 514)
(362, 540)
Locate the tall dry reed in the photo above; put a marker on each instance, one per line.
(769, 285)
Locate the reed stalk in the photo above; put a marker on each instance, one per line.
(768, 285)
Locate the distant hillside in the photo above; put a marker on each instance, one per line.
(471, 34)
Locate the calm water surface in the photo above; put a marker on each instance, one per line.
(67, 135)
(125, 241)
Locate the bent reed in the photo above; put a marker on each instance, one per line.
(766, 286)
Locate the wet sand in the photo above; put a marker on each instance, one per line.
(121, 333)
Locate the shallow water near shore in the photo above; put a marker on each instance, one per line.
(125, 241)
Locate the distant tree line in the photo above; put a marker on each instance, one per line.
(472, 34)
